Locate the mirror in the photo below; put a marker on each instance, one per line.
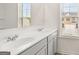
(15, 15)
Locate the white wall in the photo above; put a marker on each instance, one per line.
(42, 14)
(9, 13)
(52, 14)
(2, 14)
(37, 14)
(45, 14)
(68, 46)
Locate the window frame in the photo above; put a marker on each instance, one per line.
(20, 17)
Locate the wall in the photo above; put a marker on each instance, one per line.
(45, 14)
(42, 14)
(9, 13)
(37, 14)
(68, 46)
(52, 15)
(2, 14)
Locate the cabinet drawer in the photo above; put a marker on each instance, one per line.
(35, 48)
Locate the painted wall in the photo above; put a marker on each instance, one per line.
(68, 46)
(52, 15)
(2, 15)
(9, 15)
(45, 14)
(37, 14)
(42, 14)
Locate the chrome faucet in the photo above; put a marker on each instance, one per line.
(40, 29)
(12, 38)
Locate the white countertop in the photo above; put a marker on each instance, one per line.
(36, 38)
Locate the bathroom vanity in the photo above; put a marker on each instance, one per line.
(32, 43)
(46, 46)
(52, 43)
(40, 48)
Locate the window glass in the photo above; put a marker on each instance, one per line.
(70, 17)
(26, 14)
(70, 7)
(26, 10)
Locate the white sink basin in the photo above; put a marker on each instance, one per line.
(23, 41)
(9, 46)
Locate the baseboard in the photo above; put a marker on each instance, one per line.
(58, 54)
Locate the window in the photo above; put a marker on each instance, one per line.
(24, 14)
(70, 7)
(69, 18)
(69, 13)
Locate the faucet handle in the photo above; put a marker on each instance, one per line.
(12, 38)
(9, 38)
(16, 36)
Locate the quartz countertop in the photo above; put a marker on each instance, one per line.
(35, 38)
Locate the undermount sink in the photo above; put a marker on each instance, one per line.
(23, 39)
(15, 44)
(40, 29)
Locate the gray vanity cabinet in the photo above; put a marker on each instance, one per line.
(46, 46)
(43, 51)
(50, 47)
(40, 48)
(52, 43)
(55, 44)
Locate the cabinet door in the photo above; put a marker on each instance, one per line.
(50, 47)
(43, 51)
(55, 45)
(35, 48)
